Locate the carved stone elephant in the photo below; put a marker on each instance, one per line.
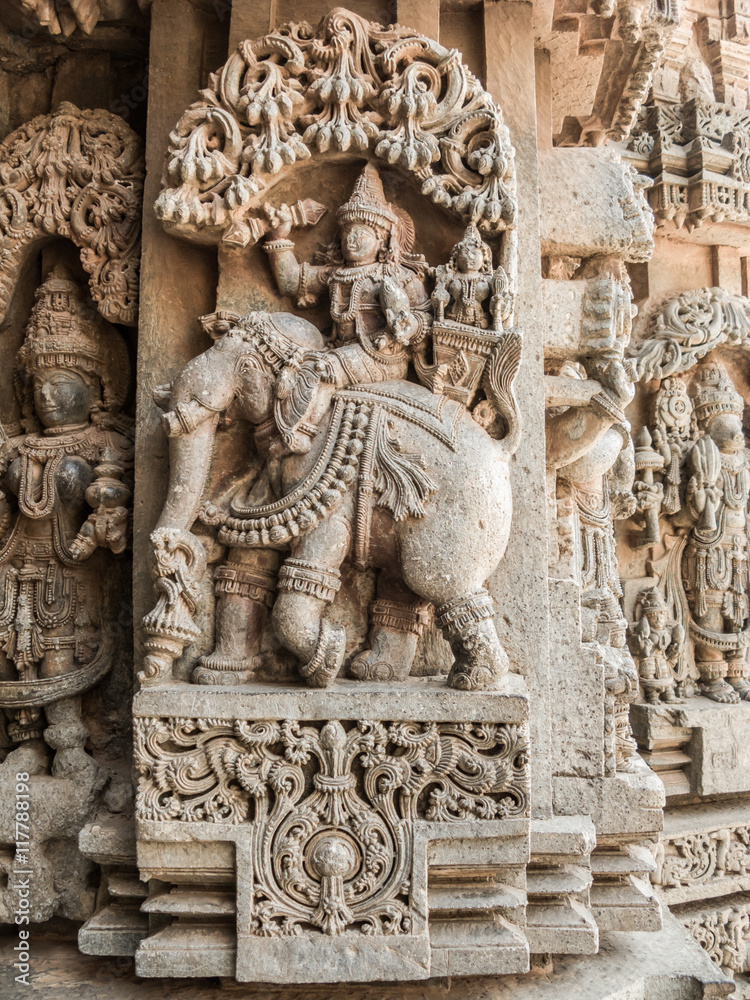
(396, 477)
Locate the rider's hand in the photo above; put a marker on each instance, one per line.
(280, 220)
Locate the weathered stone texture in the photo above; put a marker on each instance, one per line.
(433, 681)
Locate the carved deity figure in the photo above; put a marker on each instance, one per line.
(715, 560)
(467, 282)
(379, 305)
(658, 457)
(63, 514)
(656, 643)
(604, 625)
(470, 296)
(353, 454)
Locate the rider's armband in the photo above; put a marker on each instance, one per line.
(277, 246)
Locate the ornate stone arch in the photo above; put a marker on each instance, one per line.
(347, 87)
(79, 175)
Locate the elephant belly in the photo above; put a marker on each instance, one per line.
(461, 540)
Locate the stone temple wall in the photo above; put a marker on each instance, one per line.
(375, 500)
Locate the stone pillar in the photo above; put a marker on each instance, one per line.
(178, 280)
(520, 586)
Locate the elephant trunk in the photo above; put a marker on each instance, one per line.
(189, 460)
(201, 392)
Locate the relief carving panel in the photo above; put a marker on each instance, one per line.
(332, 806)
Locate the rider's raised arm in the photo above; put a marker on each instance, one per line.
(304, 281)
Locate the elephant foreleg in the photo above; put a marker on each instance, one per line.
(244, 589)
(308, 582)
(397, 619)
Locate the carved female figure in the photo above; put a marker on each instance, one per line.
(715, 561)
(73, 378)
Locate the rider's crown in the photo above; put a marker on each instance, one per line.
(367, 203)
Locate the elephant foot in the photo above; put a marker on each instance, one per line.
(741, 686)
(719, 690)
(480, 660)
(389, 659)
(328, 657)
(219, 670)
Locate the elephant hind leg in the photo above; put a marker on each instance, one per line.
(397, 619)
(480, 660)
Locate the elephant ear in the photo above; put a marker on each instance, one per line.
(499, 377)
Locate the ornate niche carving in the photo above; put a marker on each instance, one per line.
(64, 520)
(383, 435)
(78, 175)
(341, 409)
(348, 87)
(693, 497)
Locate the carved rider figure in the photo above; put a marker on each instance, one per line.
(715, 561)
(54, 549)
(379, 305)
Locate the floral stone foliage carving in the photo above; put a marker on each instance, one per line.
(688, 327)
(696, 858)
(332, 805)
(348, 87)
(79, 175)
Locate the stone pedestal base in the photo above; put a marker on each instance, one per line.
(668, 963)
(293, 843)
(701, 747)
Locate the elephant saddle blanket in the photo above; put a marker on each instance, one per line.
(363, 457)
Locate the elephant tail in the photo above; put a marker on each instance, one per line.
(499, 377)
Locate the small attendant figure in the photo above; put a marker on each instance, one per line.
(656, 643)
